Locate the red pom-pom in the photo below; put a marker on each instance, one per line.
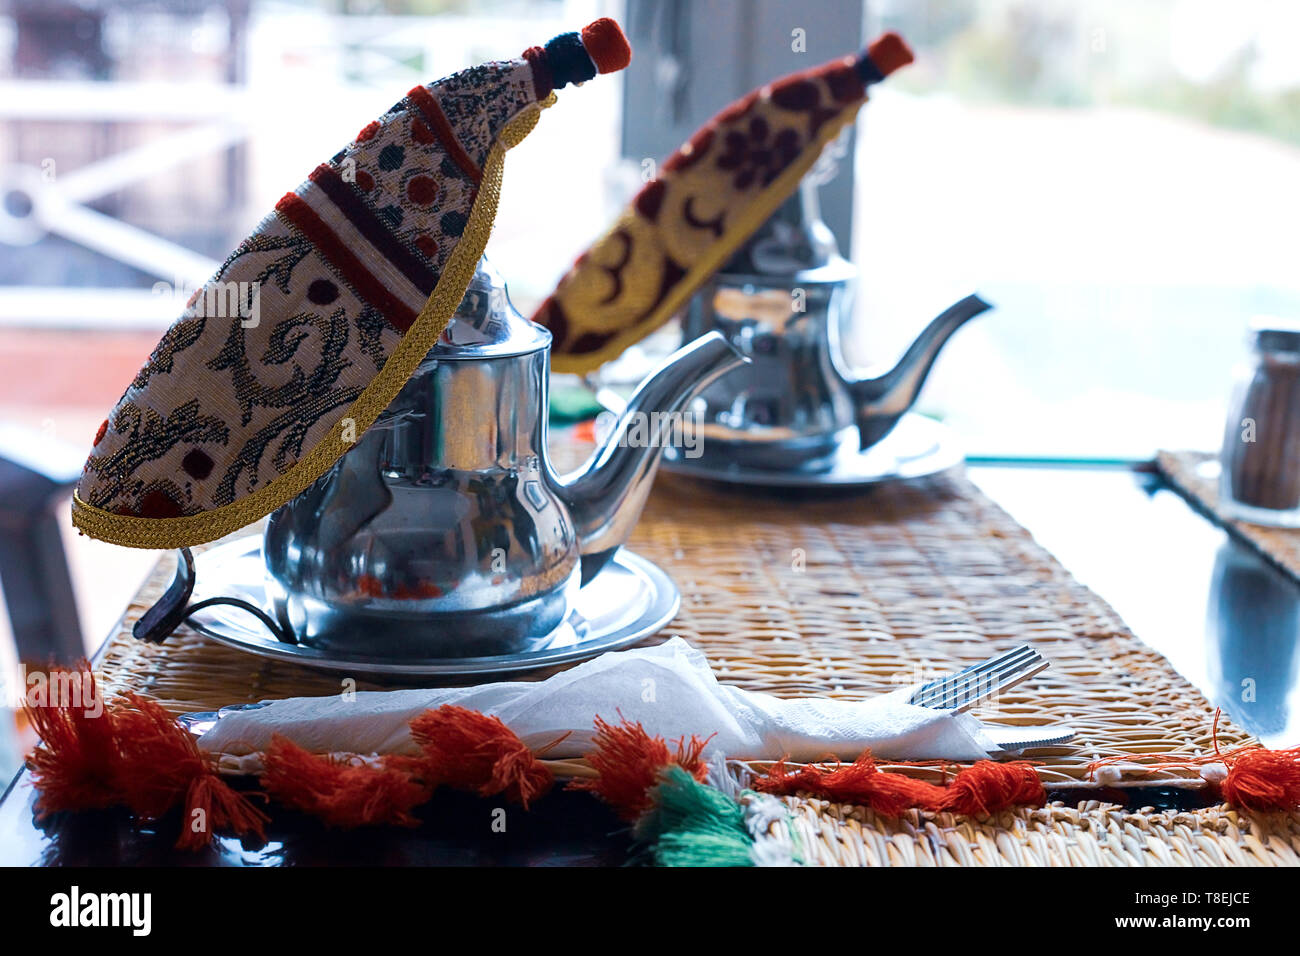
(75, 766)
(160, 766)
(472, 751)
(629, 762)
(987, 787)
(132, 754)
(1263, 780)
(889, 52)
(339, 793)
(860, 782)
(606, 45)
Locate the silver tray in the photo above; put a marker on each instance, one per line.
(628, 601)
(918, 447)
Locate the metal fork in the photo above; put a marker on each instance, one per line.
(963, 690)
(1011, 740)
(966, 688)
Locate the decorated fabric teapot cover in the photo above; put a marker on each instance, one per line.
(708, 198)
(356, 274)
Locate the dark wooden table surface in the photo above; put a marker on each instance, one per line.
(1220, 614)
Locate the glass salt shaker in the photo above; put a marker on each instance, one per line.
(1260, 480)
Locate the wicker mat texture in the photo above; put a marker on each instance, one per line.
(851, 596)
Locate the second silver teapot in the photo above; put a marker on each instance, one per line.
(445, 532)
(784, 301)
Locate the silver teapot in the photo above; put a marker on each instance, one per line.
(784, 300)
(446, 532)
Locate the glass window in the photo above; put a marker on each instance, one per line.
(1119, 178)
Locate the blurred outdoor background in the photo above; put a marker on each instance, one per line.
(1118, 177)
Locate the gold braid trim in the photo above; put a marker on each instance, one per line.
(746, 224)
(133, 532)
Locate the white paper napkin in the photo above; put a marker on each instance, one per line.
(669, 689)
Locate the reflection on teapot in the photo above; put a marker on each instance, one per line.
(1252, 625)
(445, 532)
(784, 301)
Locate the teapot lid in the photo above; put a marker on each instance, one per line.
(486, 324)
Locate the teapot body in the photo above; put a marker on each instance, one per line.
(430, 538)
(784, 301)
(438, 535)
(780, 301)
(791, 406)
(445, 532)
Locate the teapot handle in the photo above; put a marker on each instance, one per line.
(172, 609)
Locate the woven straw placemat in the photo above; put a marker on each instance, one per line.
(1195, 475)
(852, 596)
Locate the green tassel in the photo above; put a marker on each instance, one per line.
(691, 824)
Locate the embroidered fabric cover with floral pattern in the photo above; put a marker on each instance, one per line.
(313, 324)
(709, 197)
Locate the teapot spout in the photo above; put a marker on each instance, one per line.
(881, 401)
(605, 496)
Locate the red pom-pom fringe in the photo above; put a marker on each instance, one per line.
(135, 754)
(160, 766)
(628, 762)
(340, 793)
(1264, 780)
(858, 782)
(986, 787)
(468, 750)
(75, 766)
(131, 754)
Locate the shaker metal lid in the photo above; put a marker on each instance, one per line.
(1272, 334)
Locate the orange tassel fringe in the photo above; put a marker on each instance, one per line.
(467, 750)
(343, 794)
(629, 761)
(75, 766)
(1264, 780)
(983, 788)
(988, 787)
(161, 766)
(133, 754)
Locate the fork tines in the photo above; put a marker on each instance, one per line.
(978, 682)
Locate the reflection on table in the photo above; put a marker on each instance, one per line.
(1251, 629)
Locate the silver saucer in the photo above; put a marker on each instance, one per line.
(628, 601)
(918, 447)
